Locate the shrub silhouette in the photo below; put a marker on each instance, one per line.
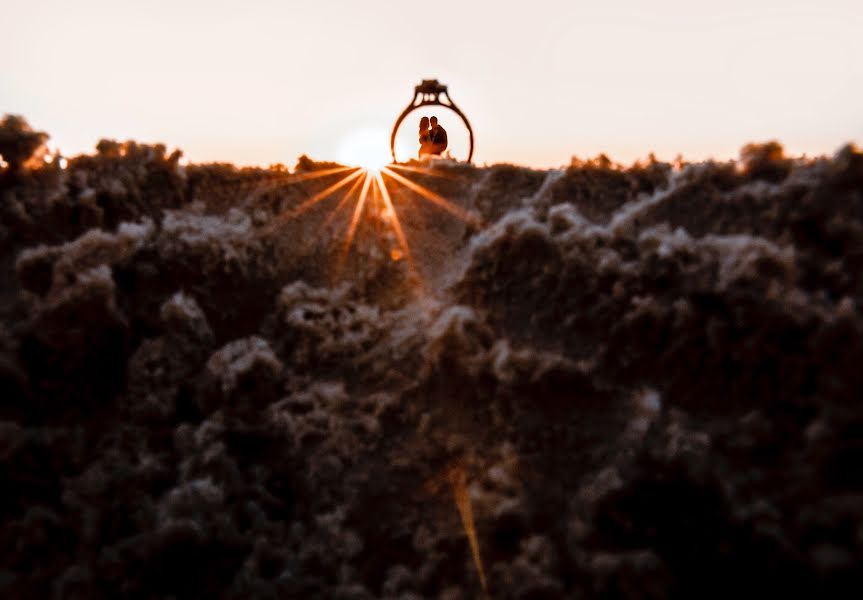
(18, 142)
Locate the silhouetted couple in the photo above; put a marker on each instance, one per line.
(432, 137)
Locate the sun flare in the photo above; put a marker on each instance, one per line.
(366, 148)
(369, 184)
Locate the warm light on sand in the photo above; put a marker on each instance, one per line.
(374, 195)
(355, 219)
(429, 195)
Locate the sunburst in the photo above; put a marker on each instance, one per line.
(368, 181)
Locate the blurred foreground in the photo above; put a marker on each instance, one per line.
(648, 379)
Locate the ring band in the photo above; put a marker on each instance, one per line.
(429, 93)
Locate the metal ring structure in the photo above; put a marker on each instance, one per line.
(429, 93)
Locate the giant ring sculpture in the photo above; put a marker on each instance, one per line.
(430, 93)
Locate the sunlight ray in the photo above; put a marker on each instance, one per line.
(391, 212)
(343, 201)
(296, 178)
(430, 172)
(455, 475)
(355, 219)
(289, 214)
(291, 179)
(325, 193)
(461, 496)
(429, 195)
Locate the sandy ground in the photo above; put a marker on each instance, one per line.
(594, 382)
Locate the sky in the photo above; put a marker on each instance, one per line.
(261, 82)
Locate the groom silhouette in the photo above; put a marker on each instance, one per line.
(438, 137)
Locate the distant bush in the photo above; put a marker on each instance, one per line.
(19, 143)
(765, 161)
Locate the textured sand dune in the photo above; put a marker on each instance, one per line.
(648, 379)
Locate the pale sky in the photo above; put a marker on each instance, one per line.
(259, 82)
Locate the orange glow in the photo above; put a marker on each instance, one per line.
(454, 474)
(458, 482)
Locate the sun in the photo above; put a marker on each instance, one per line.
(366, 148)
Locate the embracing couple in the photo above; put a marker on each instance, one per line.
(432, 137)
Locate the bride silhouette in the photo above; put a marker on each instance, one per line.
(425, 138)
